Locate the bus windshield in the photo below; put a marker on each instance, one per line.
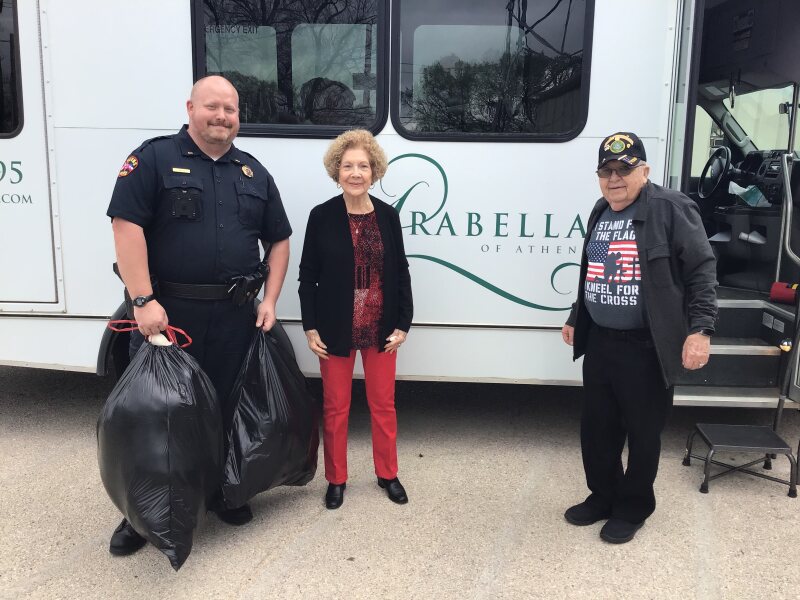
(764, 116)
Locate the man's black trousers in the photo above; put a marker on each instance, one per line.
(624, 398)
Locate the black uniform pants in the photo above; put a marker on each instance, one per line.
(221, 334)
(625, 398)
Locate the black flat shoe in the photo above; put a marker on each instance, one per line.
(394, 489)
(125, 540)
(617, 531)
(586, 514)
(335, 495)
(235, 516)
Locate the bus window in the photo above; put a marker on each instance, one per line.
(760, 116)
(475, 68)
(10, 96)
(309, 67)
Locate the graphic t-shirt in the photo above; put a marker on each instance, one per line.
(612, 290)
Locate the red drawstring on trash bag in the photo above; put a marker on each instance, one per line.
(124, 325)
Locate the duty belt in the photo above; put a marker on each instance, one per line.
(191, 291)
(241, 289)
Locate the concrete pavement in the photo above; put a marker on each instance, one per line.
(489, 470)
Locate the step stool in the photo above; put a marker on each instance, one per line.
(755, 439)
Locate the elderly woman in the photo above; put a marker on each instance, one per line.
(355, 294)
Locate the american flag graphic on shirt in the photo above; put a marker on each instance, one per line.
(613, 262)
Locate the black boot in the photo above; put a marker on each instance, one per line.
(125, 540)
(235, 516)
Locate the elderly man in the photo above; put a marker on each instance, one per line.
(188, 211)
(645, 310)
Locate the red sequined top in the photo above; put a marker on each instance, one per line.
(368, 296)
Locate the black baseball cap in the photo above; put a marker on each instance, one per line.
(623, 146)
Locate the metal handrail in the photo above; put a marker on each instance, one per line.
(791, 367)
(788, 207)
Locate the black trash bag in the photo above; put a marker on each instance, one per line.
(274, 437)
(159, 446)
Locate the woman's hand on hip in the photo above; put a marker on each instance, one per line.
(395, 340)
(316, 345)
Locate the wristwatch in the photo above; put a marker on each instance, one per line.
(140, 301)
(706, 332)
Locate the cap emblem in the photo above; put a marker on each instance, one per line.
(617, 143)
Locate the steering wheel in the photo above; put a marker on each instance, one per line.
(717, 166)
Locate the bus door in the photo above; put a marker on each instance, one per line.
(29, 271)
(738, 78)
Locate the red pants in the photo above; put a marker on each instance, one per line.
(337, 384)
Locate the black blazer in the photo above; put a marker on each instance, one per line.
(327, 275)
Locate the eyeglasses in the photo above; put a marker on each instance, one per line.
(622, 171)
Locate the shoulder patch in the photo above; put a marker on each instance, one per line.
(129, 166)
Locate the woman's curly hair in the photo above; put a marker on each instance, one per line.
(355, 138)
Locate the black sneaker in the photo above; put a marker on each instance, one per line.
(235, 516)
(125, 540)
(617, 531)
(586, 514)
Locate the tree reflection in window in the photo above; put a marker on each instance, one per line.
(296, 61)
(494, 66)
(10, 108)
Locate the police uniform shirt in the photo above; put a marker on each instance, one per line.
(612, 290)
(202, 219)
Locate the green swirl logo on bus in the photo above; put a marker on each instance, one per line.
(423, 209)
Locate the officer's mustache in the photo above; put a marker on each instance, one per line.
(225, 124)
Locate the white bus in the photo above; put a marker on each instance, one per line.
(491, 112)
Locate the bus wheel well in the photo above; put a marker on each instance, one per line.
(112, 358)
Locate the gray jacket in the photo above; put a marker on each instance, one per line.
(678, 274)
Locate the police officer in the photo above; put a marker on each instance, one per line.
(188, 211)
